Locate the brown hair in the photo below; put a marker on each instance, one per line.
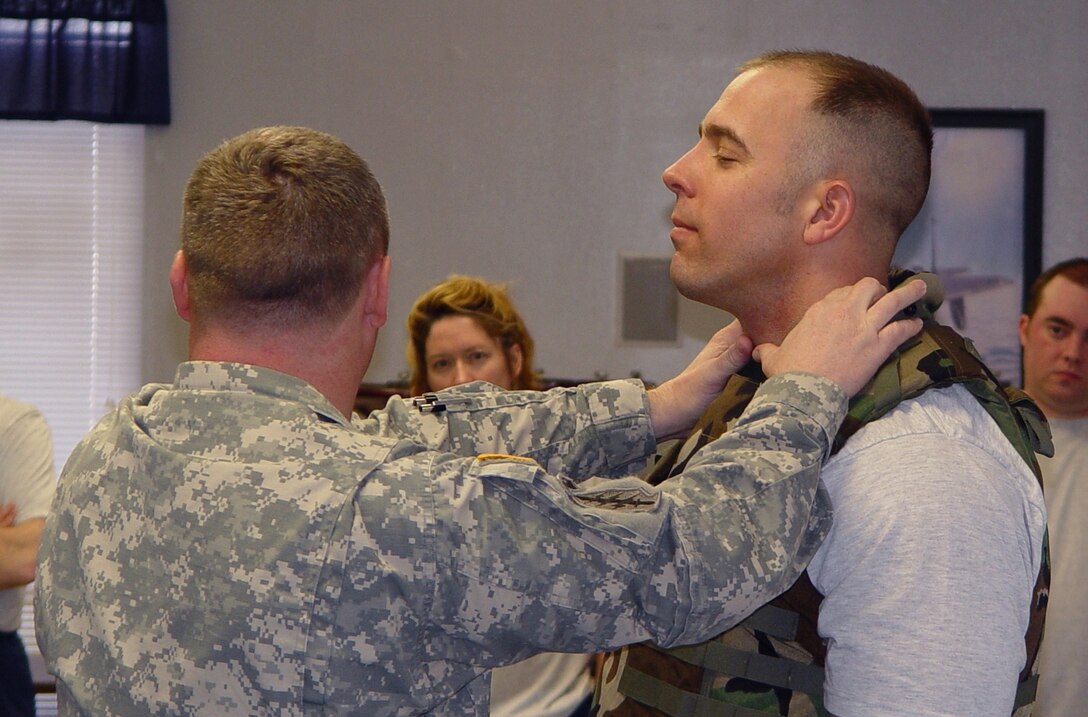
(872, 116)
(278, 228)
(1075, 269)
(487, 304)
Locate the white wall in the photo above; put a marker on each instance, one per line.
(524, 141)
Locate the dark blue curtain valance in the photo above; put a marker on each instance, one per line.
(97, 60)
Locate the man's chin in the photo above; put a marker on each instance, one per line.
(702, 295)
(691, 284)
(1069, 396)
(687, 289)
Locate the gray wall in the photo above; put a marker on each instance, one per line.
(524, 141)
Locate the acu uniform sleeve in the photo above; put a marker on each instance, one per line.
(598, 429)
(533, 565)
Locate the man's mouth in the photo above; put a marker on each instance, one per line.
(1067, 377)
(680, 224)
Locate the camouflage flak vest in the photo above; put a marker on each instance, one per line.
(772, 662)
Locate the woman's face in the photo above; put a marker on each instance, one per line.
(458, 350)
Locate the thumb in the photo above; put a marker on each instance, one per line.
(738, 353)
(764, 352)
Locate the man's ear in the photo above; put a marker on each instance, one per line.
(376, 286)
(179, 286)
(832, 208)
(1022, 329)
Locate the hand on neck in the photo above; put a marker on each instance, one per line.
(768, 314)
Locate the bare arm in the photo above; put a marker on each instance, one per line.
(7, 515)
(26, 481)
(19, 552)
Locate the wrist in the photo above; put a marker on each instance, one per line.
(667, 414)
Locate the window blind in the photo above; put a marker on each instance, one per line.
(71, 231)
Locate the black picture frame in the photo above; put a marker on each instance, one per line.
(981, 228)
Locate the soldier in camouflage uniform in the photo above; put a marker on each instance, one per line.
(233, 543)
(808, 169)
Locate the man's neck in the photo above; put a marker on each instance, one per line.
(319, 361)
(769, 307)
(767, 316)
(770, 324)
(1056, 413)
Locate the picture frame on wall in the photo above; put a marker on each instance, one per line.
(980, 229)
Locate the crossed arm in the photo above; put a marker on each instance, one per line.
(27, 480)
(18, 547)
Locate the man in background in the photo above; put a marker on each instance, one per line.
(807, 170)
(1054, 336)
(27, 481)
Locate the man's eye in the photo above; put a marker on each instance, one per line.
(724, 159)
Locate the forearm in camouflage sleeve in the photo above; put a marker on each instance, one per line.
(625, 561)
(595, 429)
(750, 510)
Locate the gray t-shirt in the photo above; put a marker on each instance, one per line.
(1063, 660)
(930, 564)
(27, 478)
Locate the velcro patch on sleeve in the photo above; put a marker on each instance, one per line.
(504, 467)
(486, 457)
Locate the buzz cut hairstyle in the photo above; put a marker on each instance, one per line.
(278, 228)
(1075, 269)
(872, 115)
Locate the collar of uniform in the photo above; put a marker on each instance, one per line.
(227, 376)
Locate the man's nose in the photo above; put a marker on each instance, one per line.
(675, 177)
(1074, 348)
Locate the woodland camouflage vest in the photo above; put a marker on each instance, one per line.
(772, 662)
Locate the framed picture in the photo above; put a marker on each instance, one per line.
(980, 229)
